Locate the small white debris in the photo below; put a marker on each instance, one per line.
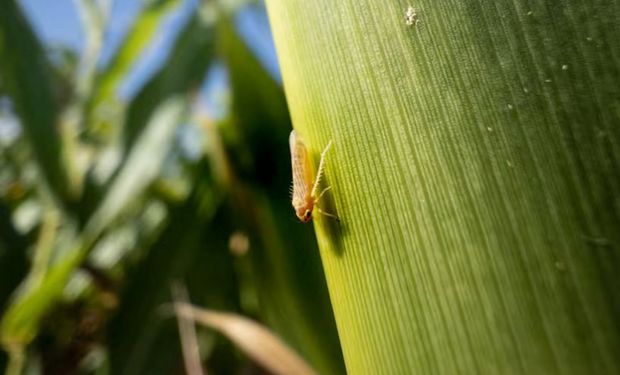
(564, 67)
(530, 13)
(509, 106)
(548, 81)
(490, 129)
(411, 17)
(525, 90)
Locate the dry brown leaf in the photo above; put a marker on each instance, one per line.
(256, 341)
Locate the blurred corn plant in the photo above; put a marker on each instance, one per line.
(105, 200)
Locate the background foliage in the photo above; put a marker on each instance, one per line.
(106, 200)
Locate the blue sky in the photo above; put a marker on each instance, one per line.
(57, 23)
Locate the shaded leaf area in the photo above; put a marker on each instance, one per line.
(475, 170)
(25, 77)
(13, 262)
(260, 113)
(287, 270)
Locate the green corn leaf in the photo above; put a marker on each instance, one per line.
(25, 77)
(475, 170)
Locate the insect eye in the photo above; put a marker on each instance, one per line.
(307, 214)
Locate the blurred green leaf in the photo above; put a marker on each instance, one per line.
(141, 338)
(140, 35)
(20, 323)
(258, 98)
(93, 15)
(259, 111)
(183, 71)
(21, 320)
(290, 282)
(142, 164)
(24, 70)
(159, 106)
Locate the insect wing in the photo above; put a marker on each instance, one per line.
(302, 172)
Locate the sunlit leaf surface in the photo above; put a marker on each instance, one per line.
(475, 171)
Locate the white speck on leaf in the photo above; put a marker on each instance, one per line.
(564, 67)
(411, 17)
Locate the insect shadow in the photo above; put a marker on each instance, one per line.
(334, 228)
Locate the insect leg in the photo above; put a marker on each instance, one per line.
(319, 172)
(323, 192)
(328, 214)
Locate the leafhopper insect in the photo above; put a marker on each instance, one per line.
(305, 189)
